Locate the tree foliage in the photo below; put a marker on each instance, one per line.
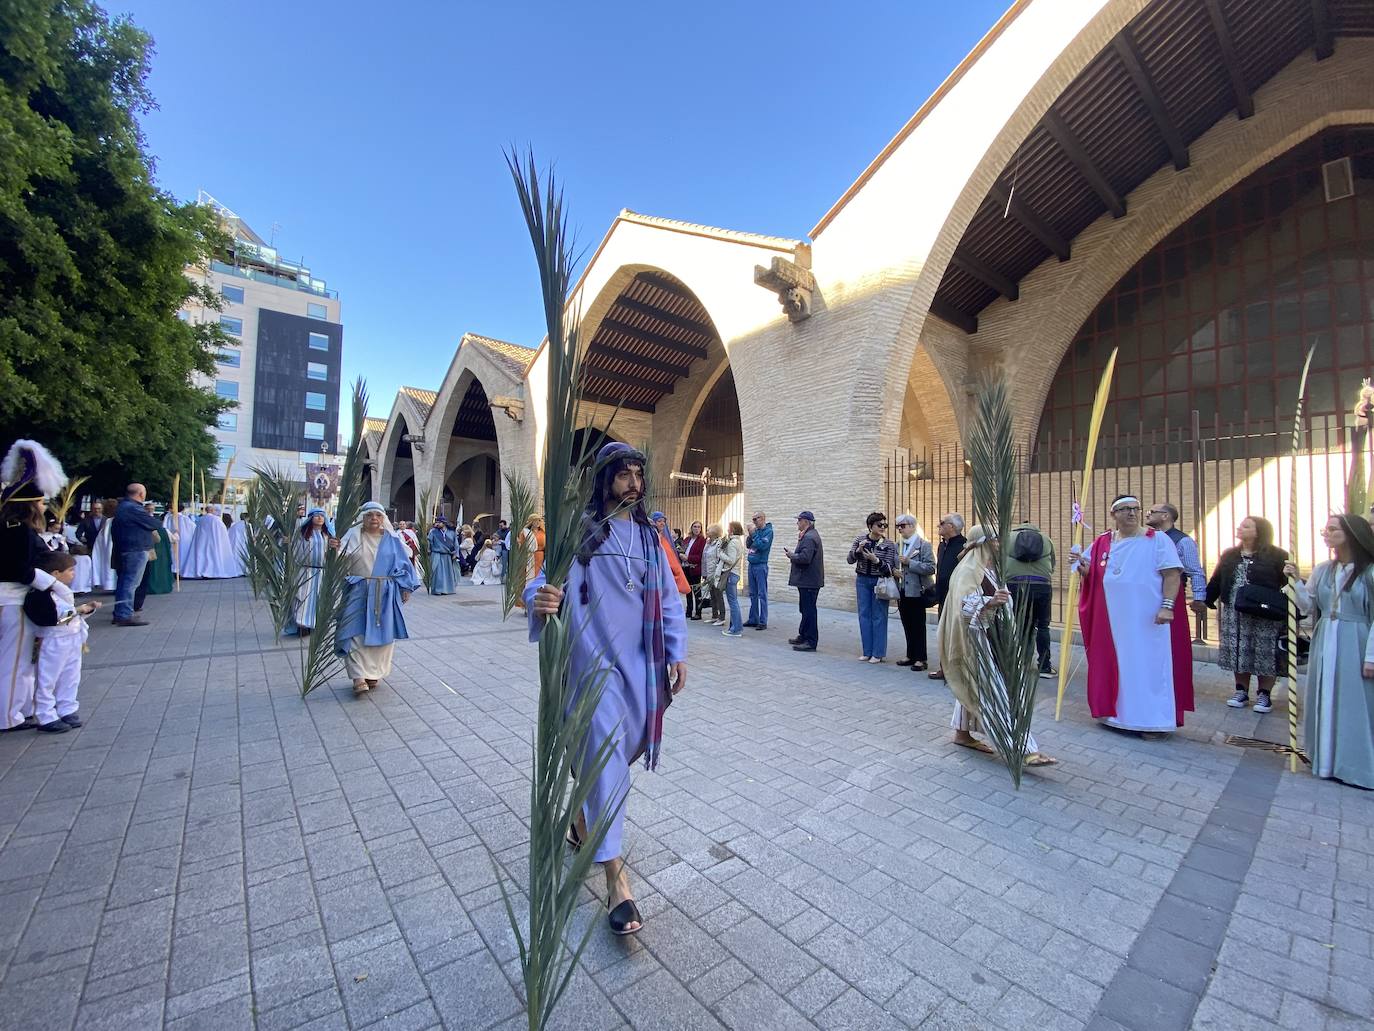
(93, 358)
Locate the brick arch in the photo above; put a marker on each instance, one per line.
(470, 365)
(405, 418)
(1035, 333)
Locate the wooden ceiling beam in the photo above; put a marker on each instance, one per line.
(680, 321)
(625, 379)
(985, 274)
(1033, 223)
(1069, 144)
(1245, 103)
(620, 355)
(1324, 44)
(667, 286)
(942, 309)
(1126, 50)
(645, 336)
(613, 402)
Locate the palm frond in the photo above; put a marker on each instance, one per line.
(319, 662)
(62, 504)
(1002, 662)
(521, 543)
(562, 742)
(424, 520)
(273, 564)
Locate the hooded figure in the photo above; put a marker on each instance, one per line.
(443, 552)
(380, 580)
(312, 545)
(963, 632)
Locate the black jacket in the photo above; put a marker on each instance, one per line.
(945, 562)
(808, 562)
(87, 529)
(20, 548)
(1266, 570)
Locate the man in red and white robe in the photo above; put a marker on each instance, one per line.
(1139, 657)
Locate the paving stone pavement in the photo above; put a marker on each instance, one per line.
(210, 851)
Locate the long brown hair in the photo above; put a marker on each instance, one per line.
(1359, 555)
(29, 511)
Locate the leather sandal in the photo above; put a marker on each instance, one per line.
(622, 916)
(573, 839)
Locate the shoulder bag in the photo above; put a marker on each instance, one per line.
(1262, 602)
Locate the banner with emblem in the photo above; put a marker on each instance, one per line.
(322, 480)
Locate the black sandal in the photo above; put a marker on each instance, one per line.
(622, 916)
(573, 839)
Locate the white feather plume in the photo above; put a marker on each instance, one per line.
(47, 472)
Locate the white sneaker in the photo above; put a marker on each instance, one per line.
(729, 633)
(1239, 700)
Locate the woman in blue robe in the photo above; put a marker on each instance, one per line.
(443, 546)
(380, 580)
(628, 621)
(311, 544)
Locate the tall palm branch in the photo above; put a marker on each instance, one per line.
(1002, 663)
(562, 745)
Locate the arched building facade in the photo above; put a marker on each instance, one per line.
(1160, 175)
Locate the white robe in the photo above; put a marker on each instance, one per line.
(488, 568)
(1144, 654)
(238, 544)
(210, 556)
(102, 576)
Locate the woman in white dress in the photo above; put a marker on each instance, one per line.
(488, 568)
(102, 553)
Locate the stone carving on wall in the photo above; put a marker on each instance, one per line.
(793, 284)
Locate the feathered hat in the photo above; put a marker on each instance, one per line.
(30, 473)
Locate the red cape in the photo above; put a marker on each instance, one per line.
(1103, 683)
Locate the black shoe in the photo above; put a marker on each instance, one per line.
(750, 624)
(904, 662)
(760, 626)
(71, 719)
(803, 647)
(622, 916)
(1047, 672)
(55, 727)
(794, 640)
(130, 622)
(28, 724)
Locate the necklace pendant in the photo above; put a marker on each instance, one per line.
(629, 585)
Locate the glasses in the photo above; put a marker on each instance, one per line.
(880, 523)
(1128, 508)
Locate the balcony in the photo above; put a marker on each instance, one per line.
(306, 285)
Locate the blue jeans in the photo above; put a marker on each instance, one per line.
(872, 617)
(732, 599)
(129, 578)
(758, 593)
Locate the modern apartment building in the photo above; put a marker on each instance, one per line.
(283, 361)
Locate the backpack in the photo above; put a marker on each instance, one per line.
(1029, 546)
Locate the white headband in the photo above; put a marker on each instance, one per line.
(1124, 502)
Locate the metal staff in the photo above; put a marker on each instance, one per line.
(1104, 387)
(1292, 590)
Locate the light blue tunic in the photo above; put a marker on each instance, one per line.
(608, 633)
(1338, 717)
(443, 544)
(310, 554)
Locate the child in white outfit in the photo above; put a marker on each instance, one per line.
(60, 628)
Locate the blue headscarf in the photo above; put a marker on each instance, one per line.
(328, 523)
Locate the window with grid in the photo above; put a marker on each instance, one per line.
(1218, 317)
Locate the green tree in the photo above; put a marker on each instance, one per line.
(94, 360)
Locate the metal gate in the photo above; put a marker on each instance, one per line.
(712, 494)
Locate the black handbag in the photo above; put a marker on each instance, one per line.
(1262, 602)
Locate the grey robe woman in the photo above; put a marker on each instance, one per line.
(1338, 719)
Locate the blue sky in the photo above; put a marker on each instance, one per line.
(372, 136)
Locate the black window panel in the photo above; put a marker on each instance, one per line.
(280, 382)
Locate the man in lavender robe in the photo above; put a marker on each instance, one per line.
(627, 619)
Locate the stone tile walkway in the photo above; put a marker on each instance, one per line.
(211, 852)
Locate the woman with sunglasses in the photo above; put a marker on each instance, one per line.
(874, 559)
